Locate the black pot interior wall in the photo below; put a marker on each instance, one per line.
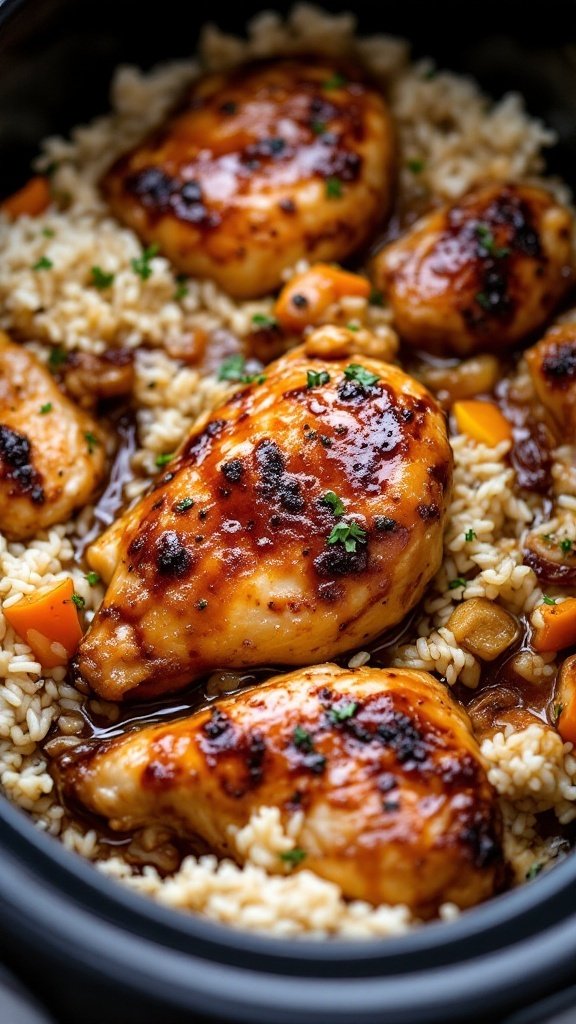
(57, 56)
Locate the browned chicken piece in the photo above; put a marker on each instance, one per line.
(297, 521)
(260, 167)
(52, 454)
(91, 378)
(480, 274)
(552, 365)
(381, 763)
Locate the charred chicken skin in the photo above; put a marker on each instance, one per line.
(552, 365)
(481, 274)
(381, 764)
(260, 167)
(297, 521)
(52, 454)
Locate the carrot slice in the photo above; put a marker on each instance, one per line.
(47, 621)
(32, 199)
(559, 626)
(482, 421)
(565, 701)
(307, 295)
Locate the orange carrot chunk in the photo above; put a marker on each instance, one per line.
(47, 621)
(565, 701)
(307, 296)
(559, 626)
(482, 421)
(32, 199)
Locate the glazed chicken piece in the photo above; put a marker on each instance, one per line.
(480, 274)
(552, 365)
(381, 764)
(297, 521)
(260, 167)
(52, 454)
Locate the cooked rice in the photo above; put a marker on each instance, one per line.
(445, 122)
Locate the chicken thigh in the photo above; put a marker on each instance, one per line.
(480, 274)
(297, 521)
(52, 454)
(260, 167)
(381, 764)
(552, 365)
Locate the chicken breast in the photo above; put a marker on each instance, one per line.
(480, 274)
(52, 454)
(380, 764)
(552, 365)
(260, 167)
(297, 521)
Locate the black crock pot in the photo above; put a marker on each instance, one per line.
(99, 954)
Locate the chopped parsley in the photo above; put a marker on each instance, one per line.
(78, 600)
(333, 188)
(334, 503)
(92, 578)
(181, 290)
(57, 357)
(264, 322)
(294, 856)
(534, 870)
(484, 301)
(100, 279)
(318, 127)
(469, 536)
(416, 166)
(348, 534)
(201, 604)
(48, 232)
(556, 712)
(376, 297)
(455, 584)
(184, 505)
(44, 263)
(353, 326)
(91, 440)
(163, 460)
(314, 378)
(548, 600)
(141, 265)
(486, 239)
(361, 375)
(341, 712)
(303, 739)
(336, 81)
(47, 407)
(566, 546)
(233, 369)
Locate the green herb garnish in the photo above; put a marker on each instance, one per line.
(336, 81)
(264, 322)
(333, 188)
(458, 582)
(566, 546)
(44, 263)
(91, 440)
(341, 712)
(57, 357)
(184, 505)
(78, 600)
(233, 369)
(353, 326)
(361, 375)
(469, 536)
(92, 578)
(376, 297)
(334, 503)
(141, 264)
(484, 301)
(302, 739)
(548, 600)
(163, 460)
(416, 166)
(318, 127)
(314, 378)
(293, 857)
(348, 534)
(47, 407)
(487, 241)
(48, 232)
(100, 279)
(201, 604)
(181, 290)
(534, 870)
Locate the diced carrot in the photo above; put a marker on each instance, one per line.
(307, 295)
(32, 199)
(47, 621)
(482, 421)
(565, 701)
(559, 626)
